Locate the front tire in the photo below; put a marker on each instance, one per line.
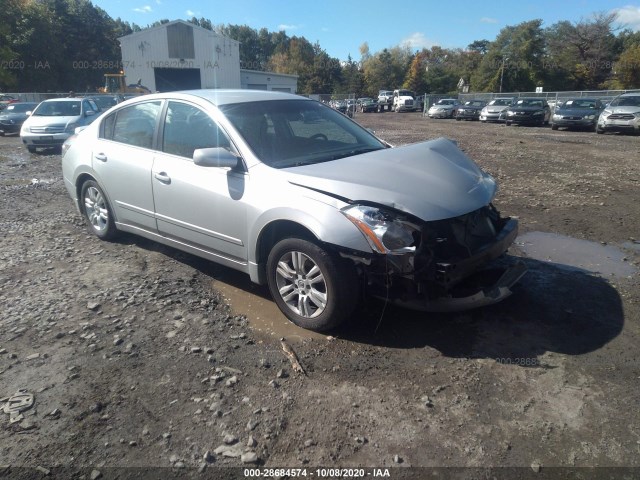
(96, 211)
(314, 289)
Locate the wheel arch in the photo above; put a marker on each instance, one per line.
(271, 234)
(80, 181)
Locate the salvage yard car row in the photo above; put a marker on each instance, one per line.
(622, 114)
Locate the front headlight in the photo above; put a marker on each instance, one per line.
(386, 232)
(484, 111)
(590, 117)
(71, 128)
(510, 113)
(606, 113)
(557, 117)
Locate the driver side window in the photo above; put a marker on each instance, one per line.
(187, 128)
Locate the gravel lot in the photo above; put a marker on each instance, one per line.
(142, 356)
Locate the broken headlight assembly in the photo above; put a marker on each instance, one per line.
(387, 232)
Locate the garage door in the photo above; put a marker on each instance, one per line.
(171, 79)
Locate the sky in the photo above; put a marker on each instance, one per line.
(342, 26)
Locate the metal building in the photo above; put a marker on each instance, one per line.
(179, 55)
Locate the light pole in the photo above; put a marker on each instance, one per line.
(504, 59)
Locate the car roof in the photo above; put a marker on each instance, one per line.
(66, 99)
(226, 96)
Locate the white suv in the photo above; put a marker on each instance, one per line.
(55, 120)
(622, 115)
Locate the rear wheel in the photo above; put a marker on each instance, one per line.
(314, 289)
(96, 211)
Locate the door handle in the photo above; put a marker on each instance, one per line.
(101, 156)
(162, 177)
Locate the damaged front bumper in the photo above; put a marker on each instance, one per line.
(452, 267)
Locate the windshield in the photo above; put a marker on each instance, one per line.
(69, 108)
(501, 102)
(20, 107)
(579, 103)
(475, 103)
(631, 101)
(445, 102)
(527, 102)
(405, 93)
(105, 102)
(288, 133)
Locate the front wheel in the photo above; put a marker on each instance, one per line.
(96, 211)
(314, 289)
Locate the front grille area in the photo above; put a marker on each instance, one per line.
(621, 116)
(48, 130)
(58, 141)
(572, 118)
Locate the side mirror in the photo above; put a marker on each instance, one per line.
(215, 157)
(89, 113)
(28, 114)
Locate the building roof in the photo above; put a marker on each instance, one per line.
(164, 26)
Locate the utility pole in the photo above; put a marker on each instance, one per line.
(502, 72)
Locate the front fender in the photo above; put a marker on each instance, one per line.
(324, 221)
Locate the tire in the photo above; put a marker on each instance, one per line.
(31, 149)
(554, 127)
(96, 211)
(599, 130)
(508, 123)
(458, 119)
(319, 303)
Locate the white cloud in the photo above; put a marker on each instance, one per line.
(288, 27)
(488, 20)
(145, 9)
(191, 13)
(417, 41)
(628, 17)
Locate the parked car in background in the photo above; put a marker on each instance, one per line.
(495, 110)
(444, 108)
(12, 117)
(528, 111)
(577, 113)
(55, 120)
(6, 100)
(319, 211)
(621, 115)
(367, 104)
(470, 110)
(106, 101)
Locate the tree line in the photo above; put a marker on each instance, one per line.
(61, 45)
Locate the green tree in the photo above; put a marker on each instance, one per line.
(514, 61)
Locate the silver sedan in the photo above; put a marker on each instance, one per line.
(296, 195)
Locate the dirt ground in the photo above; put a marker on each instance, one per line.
(145, 360)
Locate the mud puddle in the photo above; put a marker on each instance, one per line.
(575, 254)
(263, 314)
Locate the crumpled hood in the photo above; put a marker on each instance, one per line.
(432, 180)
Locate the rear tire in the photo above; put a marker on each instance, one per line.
(96, 211)
(314, 289)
